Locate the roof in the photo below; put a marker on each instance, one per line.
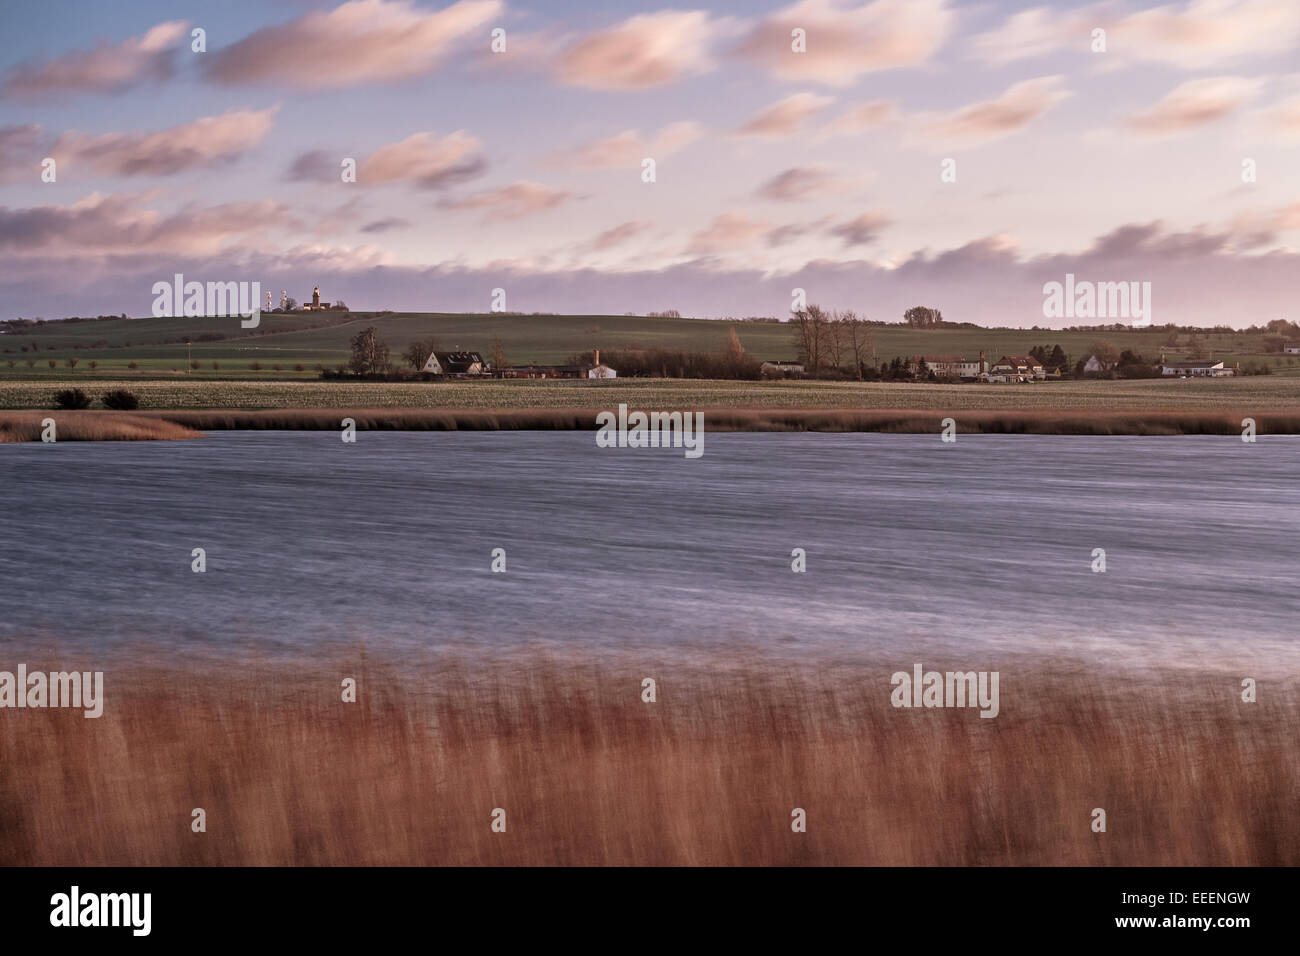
(457, 361)
(1204, 363)
(1017, 360)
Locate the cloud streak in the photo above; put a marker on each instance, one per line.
(106, 69)
(359, 42)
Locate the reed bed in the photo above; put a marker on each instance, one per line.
(1028, 422)
(91, 426)
(589, 774)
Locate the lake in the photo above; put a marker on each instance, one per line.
(976, 548)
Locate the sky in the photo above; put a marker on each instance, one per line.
(876, 156)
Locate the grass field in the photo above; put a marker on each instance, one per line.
(1245, 394)
(708, 774)
(157, 346)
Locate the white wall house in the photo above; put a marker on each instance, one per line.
(1016, 368)
(599, 370)
(1199, 369)
(951, 366)
(454, 363)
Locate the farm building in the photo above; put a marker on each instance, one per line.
(598, 370)
(951, 366)
(781, 368)
(1203, 368)
(538, 371)
(1016, 368)
(454, 363)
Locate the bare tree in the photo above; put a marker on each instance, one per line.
(860, 340)
(497, 351)
(418, 352)
(833, 341)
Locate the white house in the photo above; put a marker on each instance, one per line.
(1016, 368)
(1203, 368)
(951, 366)
(600, 371)
(454, 363)
(1291, 349)
(781, 368)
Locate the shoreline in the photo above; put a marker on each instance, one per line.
(96, 425)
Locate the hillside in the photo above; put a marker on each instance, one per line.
(157, 346)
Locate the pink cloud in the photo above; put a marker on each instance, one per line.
(105, 69)
(801, 183)
(861, 230)
(650, 49)
(864, 116)
(119, 223)
(786, 116)
(617, 236)
(424, 160)
(511, 202)
(726, 232)
(205, 142)
(1190, 35)
(845, 41)
(628, 148)
(1015, 109)
(1282, 120)
(362, 41)
(1194, 104)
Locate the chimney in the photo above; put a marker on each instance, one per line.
(597, 359)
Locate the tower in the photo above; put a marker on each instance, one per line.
(315, 297)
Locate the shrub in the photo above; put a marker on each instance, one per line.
(256, 366)
(120, 400)
(132, 364)
(72, 398)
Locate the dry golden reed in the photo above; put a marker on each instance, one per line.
(91, 426)
(707, 775)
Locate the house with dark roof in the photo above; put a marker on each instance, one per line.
(1016, 368)
(455, 363)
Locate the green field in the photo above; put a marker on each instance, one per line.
(1246, 394)
(158, 348)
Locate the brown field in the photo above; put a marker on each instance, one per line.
(709, 774)
(1250, 394)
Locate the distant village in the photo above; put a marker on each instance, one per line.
(1017, 368)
